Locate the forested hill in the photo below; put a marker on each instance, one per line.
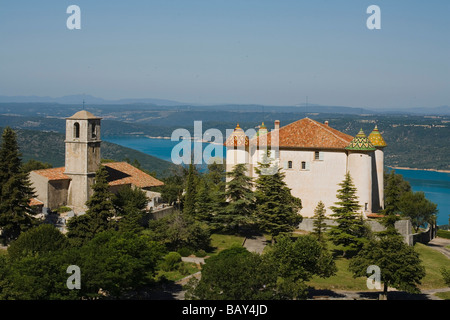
(49, 147)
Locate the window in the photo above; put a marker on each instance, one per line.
(366, 206)
(76, 130)
(303, 165)
(94, 135)
(289, 164)
(318, 155)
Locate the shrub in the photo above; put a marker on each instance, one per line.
(184, 252)
(63, 209)
(446, 275)
(171, 261)
(443, 234)
(200, 253)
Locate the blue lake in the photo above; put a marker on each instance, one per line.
(435, 185)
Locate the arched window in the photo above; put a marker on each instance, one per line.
(289, 164)
(76, 130)
(94, 134)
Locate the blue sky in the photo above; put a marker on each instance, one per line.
(272, 52)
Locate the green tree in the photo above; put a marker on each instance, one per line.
(235, 274)
(190, 196)
(98, 216)
(32, 164)
(350, 230)
(241, 201)
(172, 191)
(277, 210)
(41, 239)
(178, 231)
(319, 223)
(16, 214)
(298, 261)
(130, 205)
(117, 263)
(400, 265)
(418, 208)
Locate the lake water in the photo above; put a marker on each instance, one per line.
(435, 185)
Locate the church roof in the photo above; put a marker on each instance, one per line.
(376, 138)
(83, 115)
(53, 174)
(308, 133)
(120, 173)
(360, 143)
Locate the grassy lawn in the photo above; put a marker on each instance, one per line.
(221, 242)
(190, 268)
(343, 280)
(443, 295)
(433, 262)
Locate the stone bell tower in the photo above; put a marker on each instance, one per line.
(82, 157)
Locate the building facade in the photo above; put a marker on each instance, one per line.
(315, 158)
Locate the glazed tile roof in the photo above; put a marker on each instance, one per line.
(237, 138)
(120, 173)
(376, 138)
(308, 133)
(360, 143)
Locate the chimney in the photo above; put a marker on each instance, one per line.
(326, 122)
(277, 124)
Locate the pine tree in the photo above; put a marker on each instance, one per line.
(98, 216)
(241, 201)
(350, 229)
(16, 214)
(277, 210)
(319, 224)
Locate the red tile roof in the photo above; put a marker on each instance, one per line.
(308, 133)
(120, 173)
(53, 173)
(35, 202)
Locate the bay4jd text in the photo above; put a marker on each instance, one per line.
(255, 310)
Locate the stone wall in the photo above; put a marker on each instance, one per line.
(403, 227)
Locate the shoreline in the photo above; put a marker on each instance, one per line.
(417, 169)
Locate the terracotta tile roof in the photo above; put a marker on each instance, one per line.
(122, 173)
(35, 202)
(308, 133)
(83, 115)
(53, 173)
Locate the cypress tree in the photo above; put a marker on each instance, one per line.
(190, 195)
(350, 228)
(319, 224)
(16, 214)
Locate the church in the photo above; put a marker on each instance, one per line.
(315, 159)
(71, 185)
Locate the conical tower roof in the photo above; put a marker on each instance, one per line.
(376, 138)
(360, 143)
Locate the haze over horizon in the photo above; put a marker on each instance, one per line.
(234, 52)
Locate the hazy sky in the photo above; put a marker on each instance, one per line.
(273, 52)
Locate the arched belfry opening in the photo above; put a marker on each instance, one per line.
(76, 130)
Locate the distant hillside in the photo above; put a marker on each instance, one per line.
(49, 147)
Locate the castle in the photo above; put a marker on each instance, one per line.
(71, 185)
(315, 158)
